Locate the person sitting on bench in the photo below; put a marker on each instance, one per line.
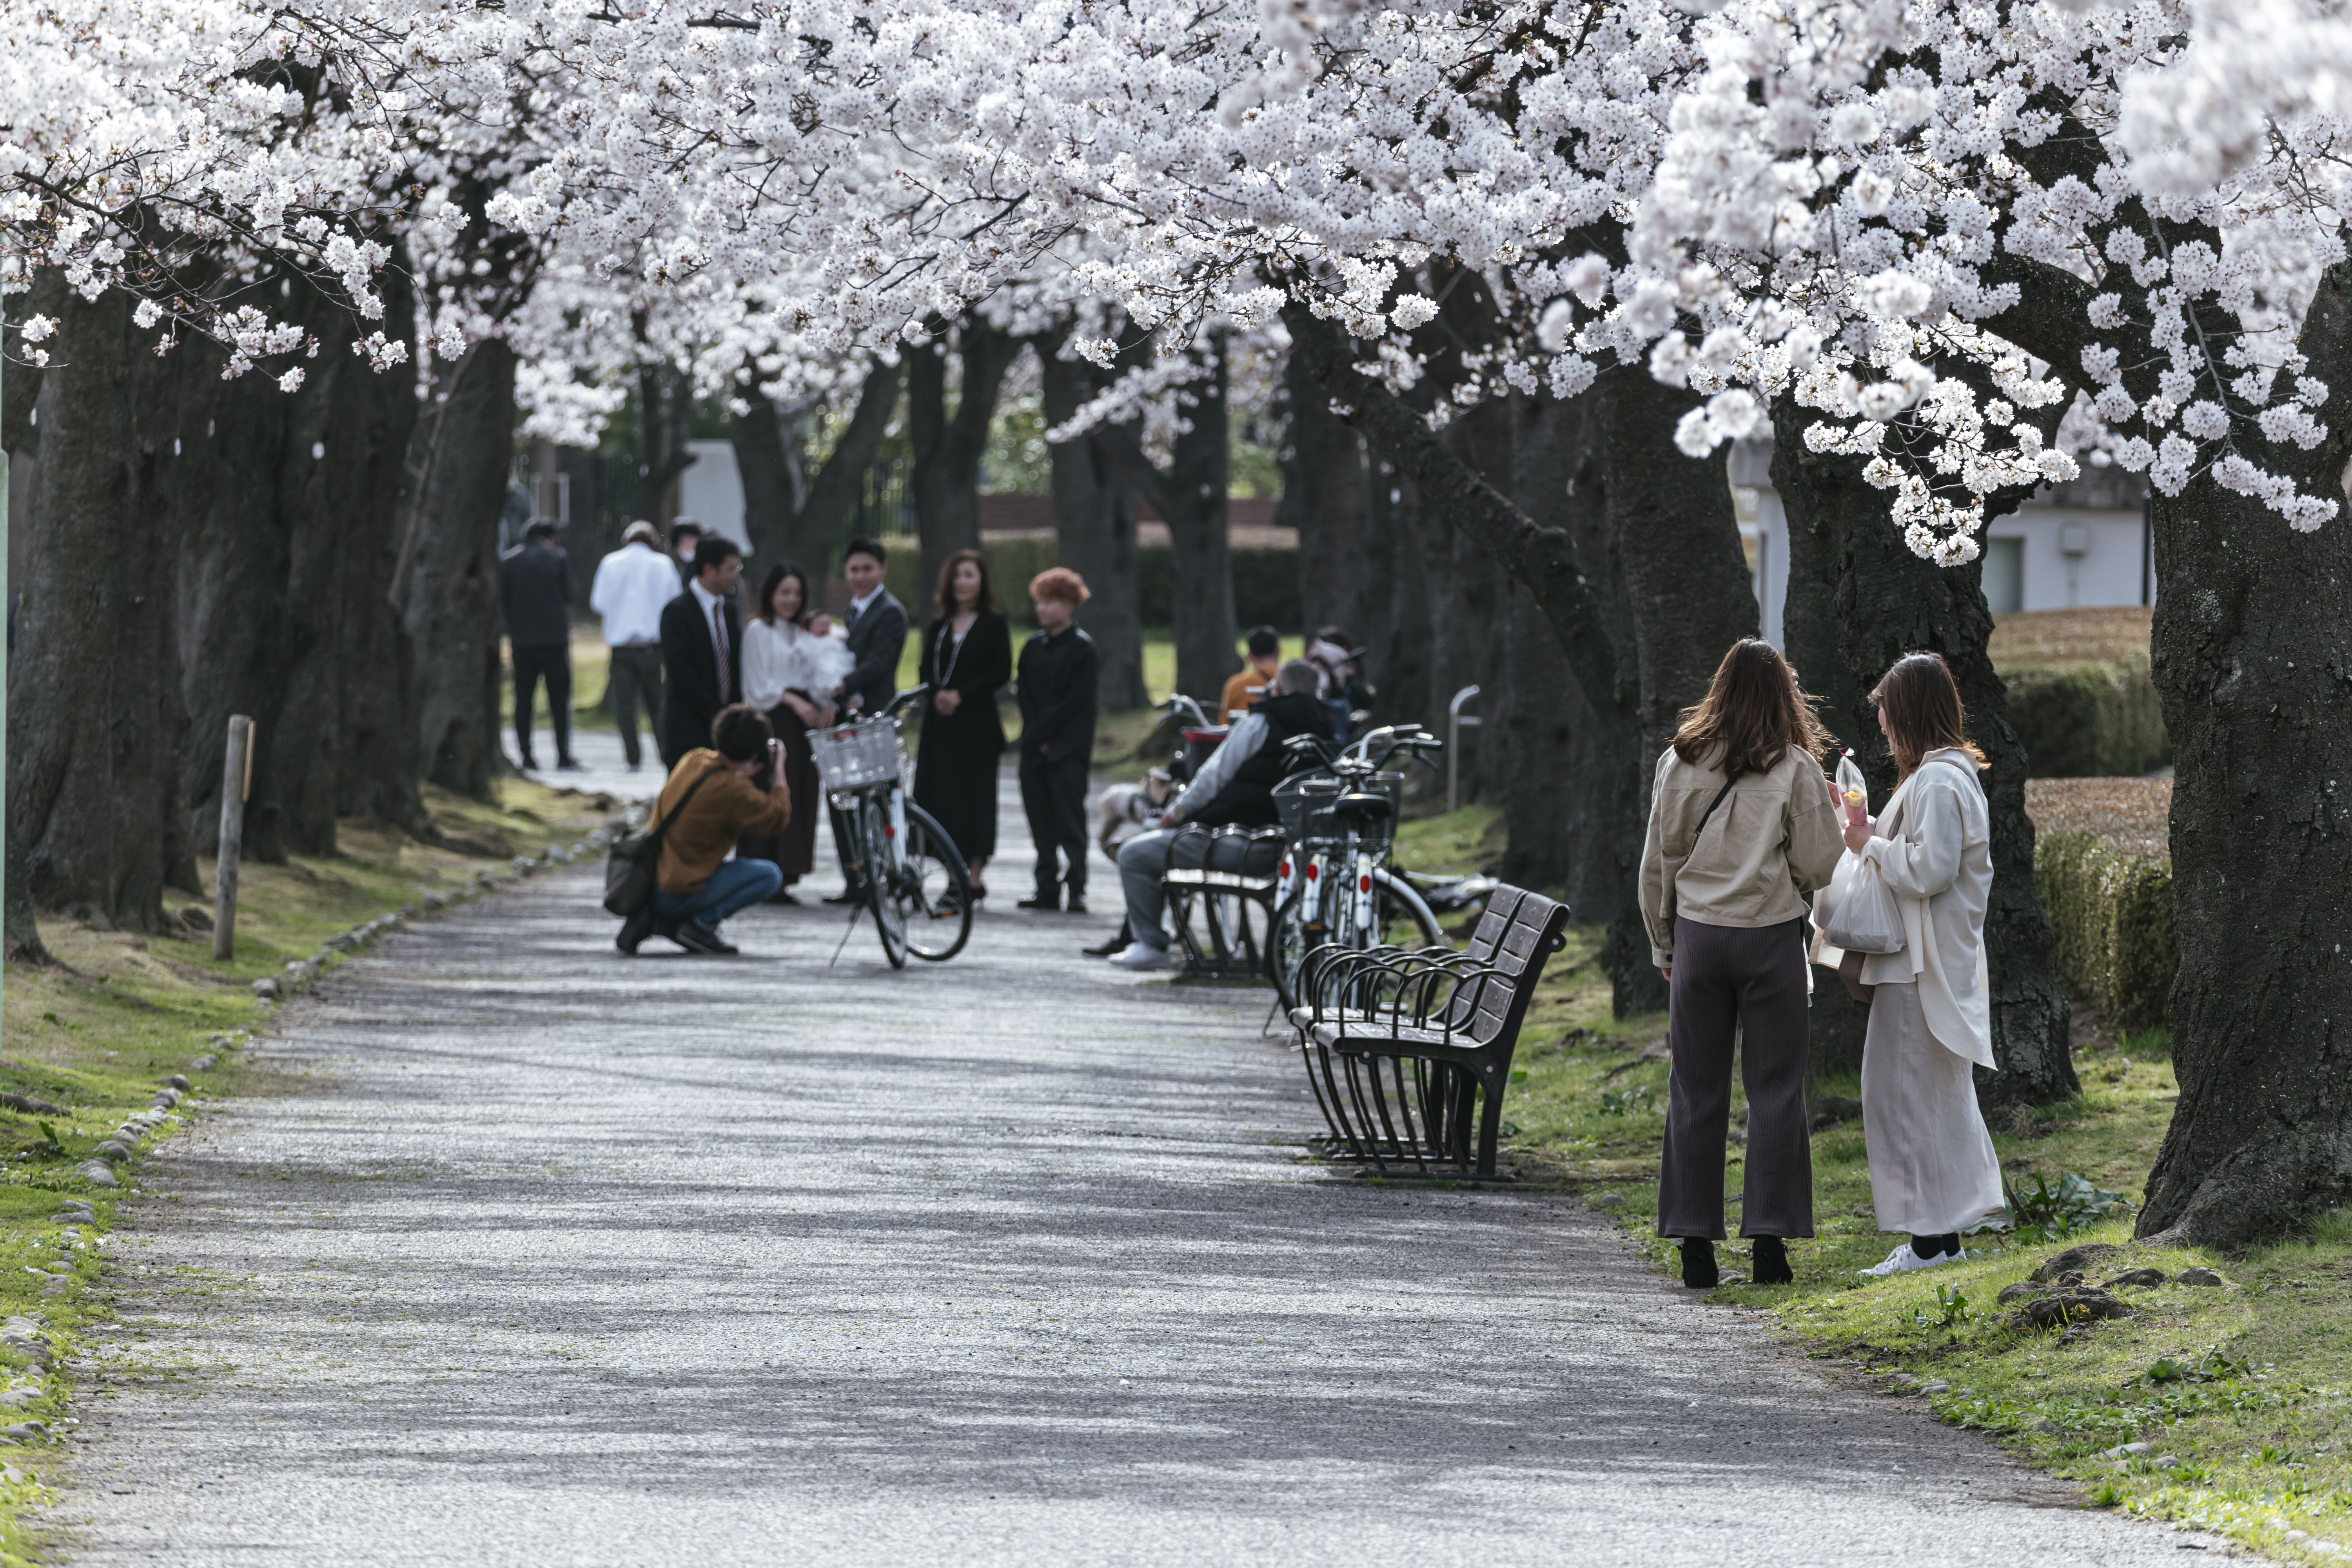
(1234, 787)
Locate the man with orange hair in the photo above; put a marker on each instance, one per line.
(1056, 685)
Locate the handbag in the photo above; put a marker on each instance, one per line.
(630, 864)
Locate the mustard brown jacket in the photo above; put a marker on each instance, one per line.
(721, 811)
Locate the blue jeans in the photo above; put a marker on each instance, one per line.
(736, 885)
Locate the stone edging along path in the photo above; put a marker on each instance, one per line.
(47, 1344)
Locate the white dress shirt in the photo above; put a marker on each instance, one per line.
(632, 586)
(782, 658)
(858, 607)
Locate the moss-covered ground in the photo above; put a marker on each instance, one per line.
(2240, 1392)
(87, 1042)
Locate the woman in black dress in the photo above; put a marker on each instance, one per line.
(967, 657)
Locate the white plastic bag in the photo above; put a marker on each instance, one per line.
(1855, 911)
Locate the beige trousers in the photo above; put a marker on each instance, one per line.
(1932, 1168)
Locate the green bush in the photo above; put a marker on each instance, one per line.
(2088, 721)
(2080, 692)
(2110, 903)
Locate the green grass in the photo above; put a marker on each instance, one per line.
(95, 1034)
(2263, 1449)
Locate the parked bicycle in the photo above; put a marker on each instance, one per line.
(913, 875)
(1338, 885)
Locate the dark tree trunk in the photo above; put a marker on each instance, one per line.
(1191, 497)
(1688, 597)
(2251, 665)
(664, 414)
(1093, 532)
(1395, 630)
(1562, 778)
(1468, 602)
(790, 516)
(1887, 602)
(451, 595)
(376, 765)
(1325, 497)
(94, 718)
(948, 448)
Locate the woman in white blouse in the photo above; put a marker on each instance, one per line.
(1932, 1167)
(790, 656)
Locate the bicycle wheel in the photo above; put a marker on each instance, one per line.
(1300, 925)
(874, 851)
(1398, 902)
(931, 891)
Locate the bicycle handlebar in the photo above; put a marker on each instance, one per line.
(911, 695)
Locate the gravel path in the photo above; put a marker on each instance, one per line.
(551, 1258)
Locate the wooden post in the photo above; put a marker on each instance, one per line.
(237, 783)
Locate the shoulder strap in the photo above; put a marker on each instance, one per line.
(655, 838)
(1710, 810)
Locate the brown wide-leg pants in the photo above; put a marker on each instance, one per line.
(1753, 980)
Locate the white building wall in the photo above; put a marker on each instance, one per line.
(710, 491)
(2076, 557)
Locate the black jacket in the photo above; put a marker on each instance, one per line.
(1057, 695)
(876, 640)
(983, 664)
(535, 592)
(1247, 798)
(690, 673)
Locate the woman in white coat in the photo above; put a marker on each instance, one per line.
(1932, 1168)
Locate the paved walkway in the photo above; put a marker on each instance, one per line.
(551, 1257)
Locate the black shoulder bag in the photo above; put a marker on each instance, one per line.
(630, 865)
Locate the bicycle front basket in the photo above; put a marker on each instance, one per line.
(1304, 801)
(850, 756)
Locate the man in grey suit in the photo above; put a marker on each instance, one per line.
(878, 636)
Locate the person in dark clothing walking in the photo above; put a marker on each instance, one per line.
(1234, 787)
(968, 656)
(702, 649)
(1058, 679)
(535, 592)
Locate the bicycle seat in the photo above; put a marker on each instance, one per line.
(1362, 808)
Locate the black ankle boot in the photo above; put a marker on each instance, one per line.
(1772, 1262)
(1698, 1264)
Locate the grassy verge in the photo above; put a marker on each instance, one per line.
(88, 1043)
(2226, 1406)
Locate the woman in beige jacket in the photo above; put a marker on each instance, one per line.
(1741, 826)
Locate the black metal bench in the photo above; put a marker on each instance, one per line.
(1453, 1016)
(1226, 877)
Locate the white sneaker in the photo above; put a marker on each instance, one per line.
(1902, 1260)
(1140, 955)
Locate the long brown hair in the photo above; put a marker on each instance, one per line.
(1922, 704)
(1754, 714)
(766, 609)
(987, 600)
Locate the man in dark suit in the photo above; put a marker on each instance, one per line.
(535, 592)
(878, 635)
(702, 649)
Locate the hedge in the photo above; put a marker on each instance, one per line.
(1265, 581)
(2102, 865)
(2080, 692)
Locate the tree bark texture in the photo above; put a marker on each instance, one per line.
(948, 447)
(790, 515)
(1469, 603)
(2252, 666)
(1325, 496)
(1848, 566)
(1560, 796)
(664, 412)
(452, 598)
(1094, 532)
(1686, 597)
(1191, 497)
(94, 719)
